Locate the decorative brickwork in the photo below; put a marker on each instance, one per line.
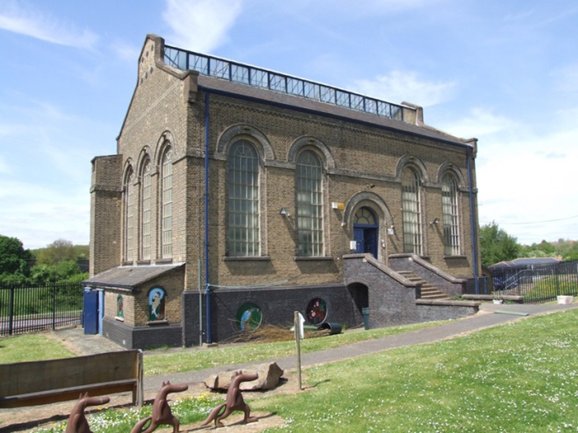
(362, 156)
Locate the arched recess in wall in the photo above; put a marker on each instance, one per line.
(165, 140)
(312, 160)
(377, 205)
(144, 156)
(242, 131)
(448, 167)
(314, 144)
(451, 182)
(413, 162)
(145, 208)
(129, 211)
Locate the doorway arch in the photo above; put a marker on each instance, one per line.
(359, 294)
(382, 218)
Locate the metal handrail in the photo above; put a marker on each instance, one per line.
(265, 79)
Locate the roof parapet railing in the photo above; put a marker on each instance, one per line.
(275, 81)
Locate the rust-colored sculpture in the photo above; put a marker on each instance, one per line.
(161, 411)
(77, 422)
(233, 402)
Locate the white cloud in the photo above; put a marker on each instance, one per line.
(481, 122)
(201, 25)
(125, 51)
(55, 148)
(45, 184)
(14, 17)
(526, 185)
(38, 215)
(398, 86)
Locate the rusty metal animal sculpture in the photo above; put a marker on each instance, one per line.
(77, 422)
(233, 402)
(161, 414)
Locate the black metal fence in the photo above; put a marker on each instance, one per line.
(536, 284)
(27, 309)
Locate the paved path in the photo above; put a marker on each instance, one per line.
(489, 315)
(25, 419)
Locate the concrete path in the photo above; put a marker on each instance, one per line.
(489, 315)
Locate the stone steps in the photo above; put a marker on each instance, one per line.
(428, 290)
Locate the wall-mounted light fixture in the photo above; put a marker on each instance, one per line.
(284, 212)
(391, 230)
(434, 221)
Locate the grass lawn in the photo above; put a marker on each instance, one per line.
(31, 347)
(159, 362)
(521, 377)
(516, 378)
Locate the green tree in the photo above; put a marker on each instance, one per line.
(496, 245)
(58, 251)
(570, 251)
(15, 261)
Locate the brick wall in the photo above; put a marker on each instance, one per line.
(105, 213)
(363, 159)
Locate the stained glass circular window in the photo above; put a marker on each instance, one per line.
(316, 311)
(249, 317)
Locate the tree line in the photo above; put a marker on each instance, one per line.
(496, 246)
(59, 262)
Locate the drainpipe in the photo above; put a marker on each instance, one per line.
(473, 219)
(208, 316)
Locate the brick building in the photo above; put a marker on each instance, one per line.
(239, 195)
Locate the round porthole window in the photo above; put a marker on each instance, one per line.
(316, 311)
(249, 317)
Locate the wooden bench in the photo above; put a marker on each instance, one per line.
(43, 382)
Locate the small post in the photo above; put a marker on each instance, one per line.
(11, 311)
(298, 321)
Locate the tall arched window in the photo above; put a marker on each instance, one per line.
(167, 204)
(243, 238)
(411, 210)
(145, 210)
(450, 215)
(129, 216)
(309, 200)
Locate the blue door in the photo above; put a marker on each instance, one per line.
(90, 312)
(365, 240)
(365, 231)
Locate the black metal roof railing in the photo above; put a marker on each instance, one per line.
(264, 79)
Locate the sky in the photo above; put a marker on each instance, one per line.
(505, 72)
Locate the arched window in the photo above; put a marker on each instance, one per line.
(167, 204)
(364, 216)
(145, 210)
(450, 215)
(243, 237)
(129, 216)
(309, 200)
(411, 210)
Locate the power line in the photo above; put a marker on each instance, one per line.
(545, 221)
